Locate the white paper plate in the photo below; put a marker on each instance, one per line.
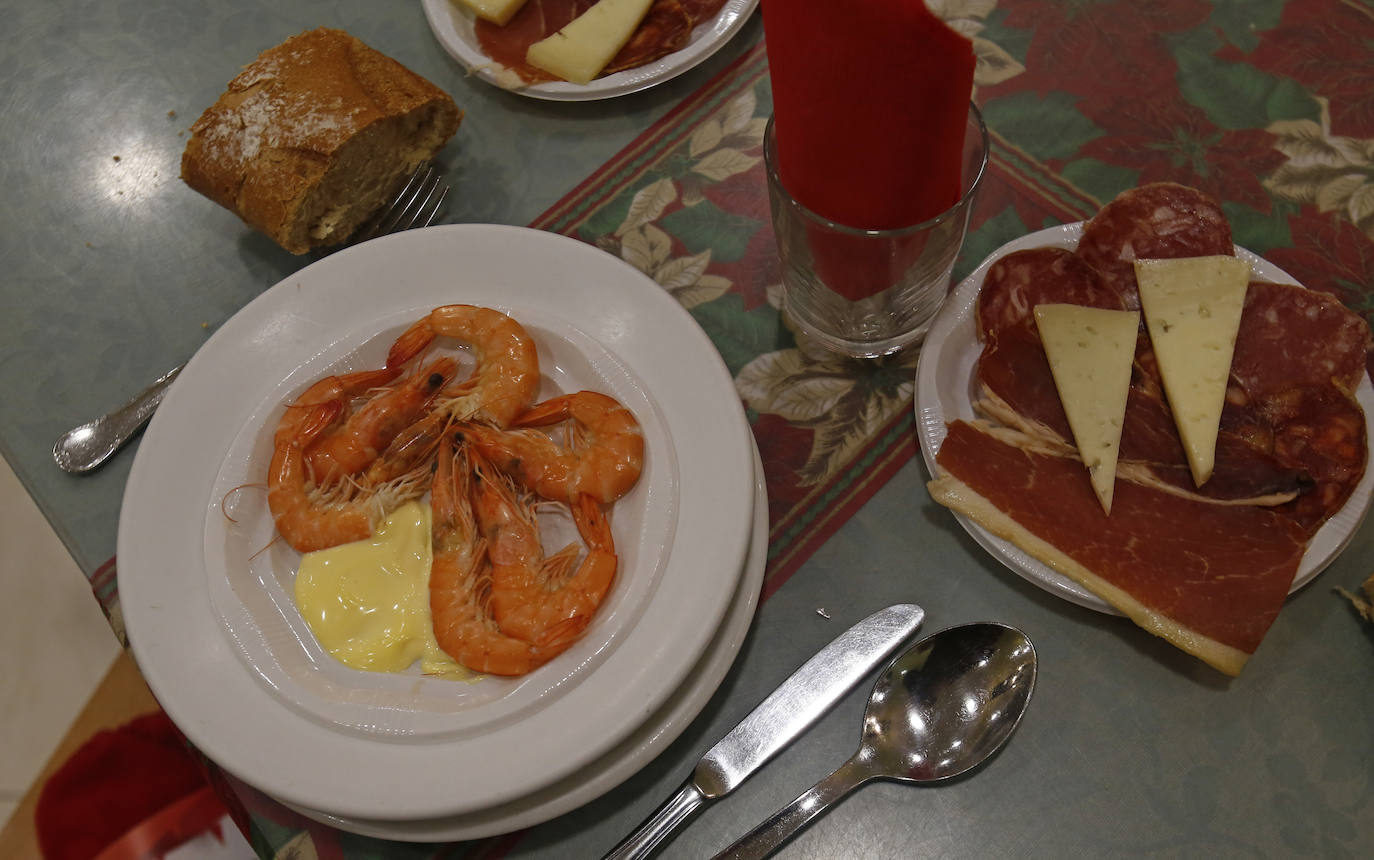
(946, 389)
(636, 751)
(453, 27)
(208, 666)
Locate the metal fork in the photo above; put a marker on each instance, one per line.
(418, 204)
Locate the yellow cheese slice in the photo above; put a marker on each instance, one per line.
(1192, 309)
(1090, 352)
(495, 11)
(578, 52)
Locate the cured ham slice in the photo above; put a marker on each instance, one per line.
(1015, 375)
(1210, 579)
(666, 28)
(1162, 220)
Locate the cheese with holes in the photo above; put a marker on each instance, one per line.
(1192, 309)
(578, 52)
(495, 11)
(1090, 352)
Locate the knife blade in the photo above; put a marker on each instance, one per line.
(779, 719)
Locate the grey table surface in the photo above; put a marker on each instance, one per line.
(114, 271)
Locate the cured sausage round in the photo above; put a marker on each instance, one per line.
(1016, 283)
(1162, 220)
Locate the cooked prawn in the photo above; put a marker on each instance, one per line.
(532, 597)
(340, 389)
(411, 448)
(506, 378)
(459, 579)
(345, 387)
(308, 519)
(360, 439)
(603, 458)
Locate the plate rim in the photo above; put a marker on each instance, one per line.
(158, 608)
(697, 691)
(930, 425)
(729, 20)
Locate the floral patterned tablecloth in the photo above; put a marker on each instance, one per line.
(1267, 105)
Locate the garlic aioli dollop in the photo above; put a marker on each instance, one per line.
(367, 602)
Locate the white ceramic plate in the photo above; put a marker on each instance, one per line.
(206, 665)
(634, 752)
(946, 389)
(453, 27)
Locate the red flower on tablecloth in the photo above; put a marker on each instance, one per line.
(1329, 254)
(1167, 139)
(1325, 47)
(1111, 46)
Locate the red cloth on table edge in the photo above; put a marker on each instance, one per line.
(130, 792)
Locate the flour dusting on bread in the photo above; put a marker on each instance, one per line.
(312, 138)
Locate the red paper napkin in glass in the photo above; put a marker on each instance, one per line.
(870, 106)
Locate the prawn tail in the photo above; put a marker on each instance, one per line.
(551, 411)
(411, 343)
(560, 636)
(592, 524)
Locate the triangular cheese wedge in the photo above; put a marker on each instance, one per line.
(578, 52)
(496, 11)
(1192, 308)
(1090, 352)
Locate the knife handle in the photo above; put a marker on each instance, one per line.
(659, 826)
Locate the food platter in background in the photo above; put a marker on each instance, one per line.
(206, 633)
(452, 25)
(946, 388)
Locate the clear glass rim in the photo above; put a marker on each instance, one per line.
(771, 164)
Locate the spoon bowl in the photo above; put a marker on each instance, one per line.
(949, 703)
(939, 710)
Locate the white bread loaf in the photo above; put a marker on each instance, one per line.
(314, 136)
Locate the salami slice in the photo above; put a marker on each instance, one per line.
(1292, 337)
(1208, 578)
(1162, 220)
(1016, 283)
(1014, 370)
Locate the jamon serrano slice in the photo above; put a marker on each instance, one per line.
(666, 28)
(1018, 390)
(1162, 220)
(1210, 579)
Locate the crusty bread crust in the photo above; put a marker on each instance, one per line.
(312, 137)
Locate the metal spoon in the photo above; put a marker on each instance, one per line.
(939, 710)
(83, 448)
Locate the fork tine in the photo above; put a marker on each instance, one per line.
(410, 214)
(408, 206)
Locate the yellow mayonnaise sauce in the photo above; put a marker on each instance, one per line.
(368, 602)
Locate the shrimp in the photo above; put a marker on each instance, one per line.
(344, 387)
(459, 580)
(506, 378)
(357, 442)
(309, 520)
(339, 388)
(409, 450)
(532, 597)
(603, 460)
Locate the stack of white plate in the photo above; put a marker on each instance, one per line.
(207, 594)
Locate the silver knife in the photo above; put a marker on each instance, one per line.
(781, 718)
